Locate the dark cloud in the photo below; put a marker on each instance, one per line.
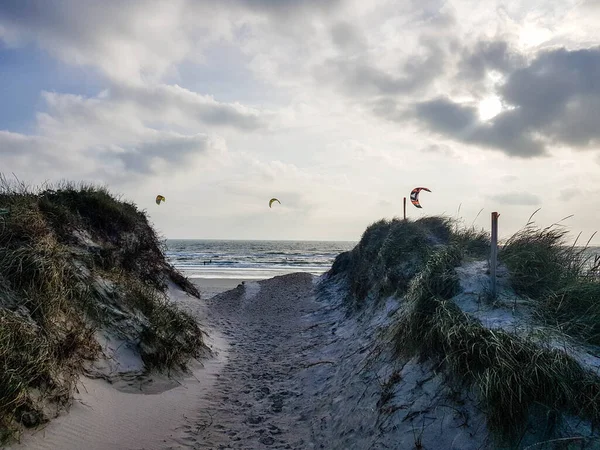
(358, 76)
(461, 123)
(487, 56)
(517, 198)
(347, 37)
(552, 101)
(166, 149)
(69, 18)
(558, 95)
(288, 6)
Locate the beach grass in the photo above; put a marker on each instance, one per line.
(49, 307)
(518, 380)
(512, 376)
(561, 279)
(389, 254)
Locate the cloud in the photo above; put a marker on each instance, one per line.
(359, 75)
(132, 39)
(461, 123)
(116, 136)
(20, 150)
(517, 198)
(143, 40)
(348, 37)
(18, 144)
(288, 7)
(568, 194)
(178, 105)
(558, 95)
(124, 113)
(439, 150)
(486, 56)
(152, 152)
(552, 102)
(509, 178)
(160, 152)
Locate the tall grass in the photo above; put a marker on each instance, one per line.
(389, 254)
(50, 303)
(517, 380)
(392, 252)
(562, 279)
(512, 376)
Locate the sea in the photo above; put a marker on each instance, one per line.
(259, 260)
(252, 260)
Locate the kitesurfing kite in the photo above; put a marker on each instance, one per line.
(273, 200)
(159, 198)
(414, 195)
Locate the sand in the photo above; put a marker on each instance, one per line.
(209, 287)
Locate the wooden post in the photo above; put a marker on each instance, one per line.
(404, 208)
(494, 253)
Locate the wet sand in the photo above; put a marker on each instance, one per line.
(209, 287)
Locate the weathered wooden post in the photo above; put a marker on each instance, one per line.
(494, 253)
(404, 208)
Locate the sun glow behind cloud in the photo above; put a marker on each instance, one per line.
(489, 108)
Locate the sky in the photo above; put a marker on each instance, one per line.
(336, 107)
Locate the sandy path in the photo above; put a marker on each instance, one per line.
(257, 401)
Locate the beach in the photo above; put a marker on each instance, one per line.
(209, 287)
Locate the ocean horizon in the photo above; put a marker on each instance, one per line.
(258, 259)
(252, 259)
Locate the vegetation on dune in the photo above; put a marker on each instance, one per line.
(390, 253)
(517, 379)
(562, 280)
(512, 375)
(72, 259)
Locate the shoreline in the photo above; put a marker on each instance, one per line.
(210, 287)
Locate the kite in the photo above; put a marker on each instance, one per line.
(159, 198)
(273, 200)
(414, 195)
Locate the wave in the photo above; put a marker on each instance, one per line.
(252, 259)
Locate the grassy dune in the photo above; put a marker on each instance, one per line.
(74, 260)
(517, 380)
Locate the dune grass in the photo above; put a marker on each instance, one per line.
(562, 280)
(392, 252)
(516, 379)
(511, 375)
(49, 307)
(389, 254)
